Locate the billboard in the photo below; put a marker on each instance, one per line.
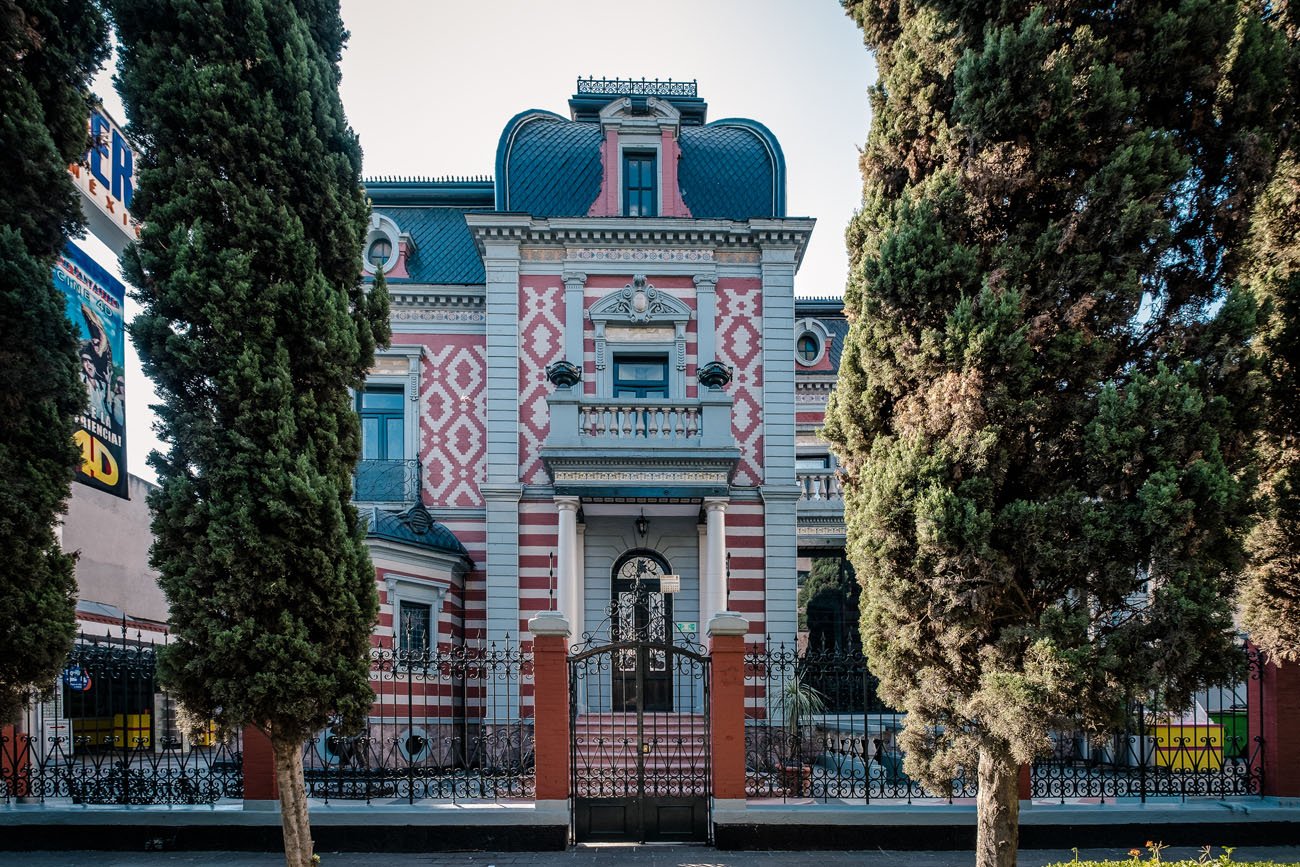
(94, 301)
(106, 178)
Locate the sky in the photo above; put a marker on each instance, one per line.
(429, 84)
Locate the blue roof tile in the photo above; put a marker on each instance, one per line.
(731, 171)
(444, 246)
(413, 528)
(552, 166)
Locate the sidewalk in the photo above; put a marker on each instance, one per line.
(599, 856)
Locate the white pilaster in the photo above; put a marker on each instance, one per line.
(715, 562)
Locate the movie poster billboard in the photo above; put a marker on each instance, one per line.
(95, 301)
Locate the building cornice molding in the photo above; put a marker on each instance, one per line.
(774, 239)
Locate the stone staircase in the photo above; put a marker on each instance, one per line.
(674, 748)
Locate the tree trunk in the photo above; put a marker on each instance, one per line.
(293, 800)
(998, 811)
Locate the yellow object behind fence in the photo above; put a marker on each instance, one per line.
(132, 730)
(1189, 747)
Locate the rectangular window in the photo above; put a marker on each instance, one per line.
(414, 624)
(639, 185)
(641, 376)
(382, 476)
(811, 463)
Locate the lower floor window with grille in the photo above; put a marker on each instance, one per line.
(413, 625)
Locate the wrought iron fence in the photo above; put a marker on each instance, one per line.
(108, 734)
(1210, 749)
(447, 723)
(816, 729)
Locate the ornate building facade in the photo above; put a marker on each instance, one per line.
(599, 379)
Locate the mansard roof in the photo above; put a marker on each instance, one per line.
(549, 166)
(432, 211)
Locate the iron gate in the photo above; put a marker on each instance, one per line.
(639, 742)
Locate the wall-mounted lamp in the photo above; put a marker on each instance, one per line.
(642, 525)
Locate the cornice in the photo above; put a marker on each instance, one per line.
(612, 232)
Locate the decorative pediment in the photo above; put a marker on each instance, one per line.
(639, 303)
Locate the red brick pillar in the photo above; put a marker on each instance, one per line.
(259, 769)
(727, 704)
(1025, 783)
(551, 705)
(1277, 722)
(15, 761)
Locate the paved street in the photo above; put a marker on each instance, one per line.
(594, 856)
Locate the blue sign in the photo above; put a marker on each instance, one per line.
(76, 679)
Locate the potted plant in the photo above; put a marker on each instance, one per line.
(799, 703)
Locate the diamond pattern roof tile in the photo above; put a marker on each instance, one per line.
(726, 173)
(554, 168)
(444, 246)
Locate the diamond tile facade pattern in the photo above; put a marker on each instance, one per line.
(541, 341)
(453, 430)
(740, 344)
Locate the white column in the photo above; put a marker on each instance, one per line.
(566, 555)
(715, 561)
(577, 616)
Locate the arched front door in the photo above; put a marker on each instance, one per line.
(641, 613)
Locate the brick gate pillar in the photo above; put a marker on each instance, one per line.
(727, 704)
(551, 705)
(1278, 724)
(261, 792)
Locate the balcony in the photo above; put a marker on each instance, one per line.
(387, 482)
(821, 487)
(660, 448)
(820, 509)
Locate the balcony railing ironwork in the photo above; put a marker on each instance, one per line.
(387, 482)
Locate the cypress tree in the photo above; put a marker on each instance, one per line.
(254, 327)
(1042, 400)
(48, 53)
(1272, 593)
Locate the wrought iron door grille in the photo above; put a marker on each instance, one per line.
(639, 749)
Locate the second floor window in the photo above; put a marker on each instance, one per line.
(639, 193)
(382, 475)
(641, 376)
(383, 424)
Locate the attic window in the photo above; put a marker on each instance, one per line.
(378, 252)
(383, 245)
(640, 197)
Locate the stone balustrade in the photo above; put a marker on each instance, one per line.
(820, 486)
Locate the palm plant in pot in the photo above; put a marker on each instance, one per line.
(800, 703)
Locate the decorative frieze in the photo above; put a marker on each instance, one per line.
(821, 530)
(614, 254)
(640, 476)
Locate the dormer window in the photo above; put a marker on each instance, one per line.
(640, 188)
(378, 253)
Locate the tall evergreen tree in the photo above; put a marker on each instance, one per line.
(1040, 404)
(48, 53)
(1272, 593)
(254, 326)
